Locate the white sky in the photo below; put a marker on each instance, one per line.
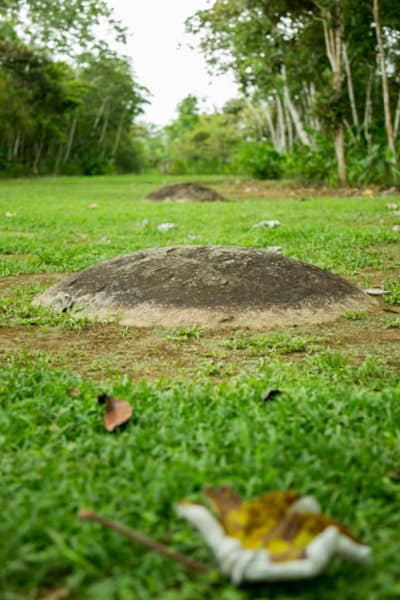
(162, 60)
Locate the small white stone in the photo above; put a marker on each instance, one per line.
(377, 291)
(271, 224)
(166, 227)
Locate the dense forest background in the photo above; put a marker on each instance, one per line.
(320, 93)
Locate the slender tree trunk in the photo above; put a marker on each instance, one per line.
(280, 125)
(289, 129)
(350, 87)
(368, 114)
(309, 93)
(103, 136)
(271, 126)
(385, 84)
(70, 140)
(397, 118)
(57, 163)
(16, 144)
(301, 132)
(333, 33)
(260, 123)
(99, 113)
(38, 154)
(118, 135)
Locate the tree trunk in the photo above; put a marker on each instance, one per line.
(99, 113)
(271, 126)
(350, 87)
(397, 118)
(258, 119)
(333, 33)
(57, 163)
(301, 132)
(289, 129)
(385, 84)
(16, 144)
(38, 154)
(70, 140)
(340, 154)
(280, 125)
(103, 136)
(118, 135)
(368, 113)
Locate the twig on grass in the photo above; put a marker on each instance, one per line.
(89, 515)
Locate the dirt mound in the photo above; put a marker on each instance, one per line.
(185, 192)
(209, 286)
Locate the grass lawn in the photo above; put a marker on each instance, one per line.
(199, 417)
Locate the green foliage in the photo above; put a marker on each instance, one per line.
(375, 167)
(280, 55)
(65, 26)
(279, 343)
(64, 122)
(258, 160)
(315, 164)
(184, 333)
(198, 143)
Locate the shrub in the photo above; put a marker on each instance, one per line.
(257, 159)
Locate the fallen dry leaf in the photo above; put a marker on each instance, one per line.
(271, 395)
(117, 411)
(57, 594)
(74, 392)
(395, 475)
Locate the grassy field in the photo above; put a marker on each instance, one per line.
(199, 417)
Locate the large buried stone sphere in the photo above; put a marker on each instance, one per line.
(208, 286)
(185, 192)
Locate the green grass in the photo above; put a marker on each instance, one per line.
(54, 225)
(333, 433)
(327, 435)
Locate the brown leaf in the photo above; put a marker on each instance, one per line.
(57, 594)
(117, 411)
(395, 475)
(74, 392)
(271, 395)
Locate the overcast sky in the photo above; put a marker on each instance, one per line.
(161, 59)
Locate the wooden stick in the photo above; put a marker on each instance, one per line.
(89, 515)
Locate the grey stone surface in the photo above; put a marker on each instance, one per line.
(208, 285)
(185, 192)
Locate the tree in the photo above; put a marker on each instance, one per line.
(309, 63)
(385, 83)
(64, 119)
(66, 26)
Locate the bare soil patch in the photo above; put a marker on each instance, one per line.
(273, 190)
(28, 280)
(106, 349)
